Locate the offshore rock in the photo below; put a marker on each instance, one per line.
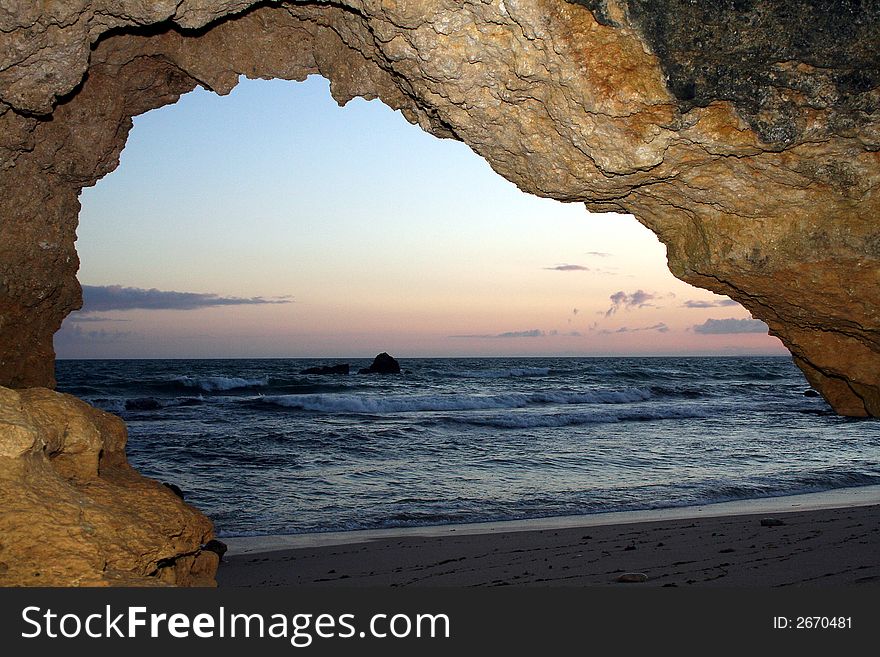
(74, 513)
(382, 364)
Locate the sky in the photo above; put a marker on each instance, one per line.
(272, 223)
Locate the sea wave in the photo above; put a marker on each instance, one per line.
(793, 483)
(155, 403)
(598, 416)
(220, 383)
(347, 403)
(120, 405)
(502, 373)
(110, 405)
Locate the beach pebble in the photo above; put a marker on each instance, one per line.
(771, 522)
(632, 578)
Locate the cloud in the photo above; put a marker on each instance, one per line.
(568, 268)
(637, 299)
(730, 325)
(691, 303)
(533, 333)
(79, 318)
(598, 254)
(660, 327)
(103, 298)
(73, 333)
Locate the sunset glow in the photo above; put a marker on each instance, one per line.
(305, 229)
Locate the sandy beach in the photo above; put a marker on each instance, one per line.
(823, 539)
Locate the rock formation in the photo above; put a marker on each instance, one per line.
(342, 368)
(745, 134)
(382, 364)
(75, 513)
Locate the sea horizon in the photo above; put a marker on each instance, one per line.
(405, 357)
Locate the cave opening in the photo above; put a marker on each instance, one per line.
(225, 228)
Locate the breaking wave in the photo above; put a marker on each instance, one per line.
(451, 402)
(220, 383)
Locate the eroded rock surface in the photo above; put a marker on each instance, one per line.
(74, 513)
(744, 134)
(794, 70)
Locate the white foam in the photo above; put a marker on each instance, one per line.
(221, 383)
(402, 404)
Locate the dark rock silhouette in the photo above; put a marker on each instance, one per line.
(382, 364)
(218, 547)
(328, 369)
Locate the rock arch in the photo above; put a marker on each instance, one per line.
(746, 141)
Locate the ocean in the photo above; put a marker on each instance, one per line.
(263, 449)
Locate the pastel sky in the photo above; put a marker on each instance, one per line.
(273, 223)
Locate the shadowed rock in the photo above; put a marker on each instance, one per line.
(218, 547)
(382, 364)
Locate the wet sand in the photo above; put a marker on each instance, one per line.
(821, 540)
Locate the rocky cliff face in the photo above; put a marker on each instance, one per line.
(745, 134)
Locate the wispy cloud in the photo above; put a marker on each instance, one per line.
(598, 254)
(628, 301)
(72, 332)
(568, 268)
(698, 303)
(660, 327)
(103, 298)
(533, 333)
(79, 318)
(730, 325)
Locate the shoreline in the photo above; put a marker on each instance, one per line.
(832, 499)
(816, 539)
